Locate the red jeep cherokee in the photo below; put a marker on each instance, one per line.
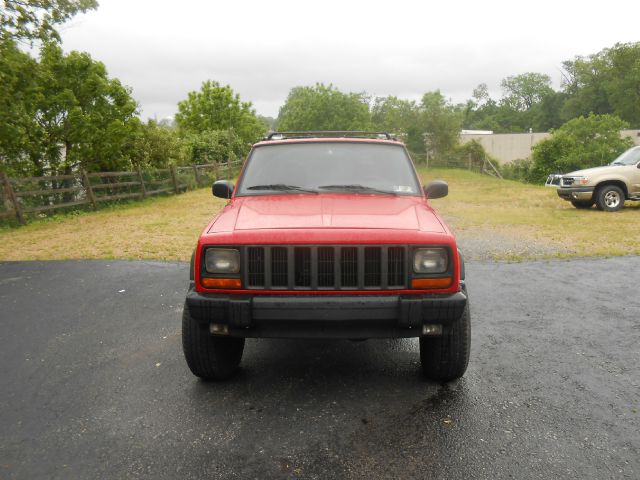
(327, 235)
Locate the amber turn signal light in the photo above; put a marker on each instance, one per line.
(426, 283)
(221, 282)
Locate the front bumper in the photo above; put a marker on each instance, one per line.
(576, 193)
(326, 316)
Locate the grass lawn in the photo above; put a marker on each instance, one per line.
(492, 218)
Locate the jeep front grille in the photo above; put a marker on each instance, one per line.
(325, 267)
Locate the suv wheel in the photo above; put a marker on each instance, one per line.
(209, 357)
(582, 204)
(446, 357)
(610, 198)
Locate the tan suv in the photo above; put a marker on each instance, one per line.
(608, 187)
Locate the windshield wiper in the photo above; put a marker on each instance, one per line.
(618, 163)
(281, 187)
(356, 188)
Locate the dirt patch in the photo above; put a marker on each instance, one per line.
(488, 243)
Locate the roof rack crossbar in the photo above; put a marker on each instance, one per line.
(329, 133)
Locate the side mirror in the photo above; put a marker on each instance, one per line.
(436, 189)
(222, 189)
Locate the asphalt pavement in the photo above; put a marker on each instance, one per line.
(93, 384)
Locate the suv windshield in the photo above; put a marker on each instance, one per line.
(329, 167)
(630, 157)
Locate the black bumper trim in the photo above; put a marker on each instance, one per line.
(326, 316)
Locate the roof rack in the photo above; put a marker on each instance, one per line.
(328, 134)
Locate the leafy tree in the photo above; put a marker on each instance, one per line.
(481, 95)
(522, 92)
(580, 143)
(546, 114)
(211, 146)
(29, 20)
(400, 117)
(19, 94)
(269, 122)
(158, 145)
(442, 123)
(84, 117)
(324, 108)
(606, 82)
(215, 107)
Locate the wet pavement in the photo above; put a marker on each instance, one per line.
(93, 384)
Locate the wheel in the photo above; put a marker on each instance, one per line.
(582, 203)
(610, 198)
(209, 357)
(445, 357)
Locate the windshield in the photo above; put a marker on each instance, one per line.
(630, 157)
(329, 167)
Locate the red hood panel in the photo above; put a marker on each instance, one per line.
(328, 211)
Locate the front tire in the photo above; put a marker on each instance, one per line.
(582, 203)
(209, 357)
(446, 357)
(610, 198)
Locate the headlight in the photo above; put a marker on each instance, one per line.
(222, 260)
(430, 260)
(581, 180)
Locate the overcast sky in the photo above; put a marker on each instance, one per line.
(164, 49)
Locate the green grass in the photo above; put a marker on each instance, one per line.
(492, 218)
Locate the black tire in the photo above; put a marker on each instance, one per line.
(582, 203)
(446, 357)
(209, 357)
(610, 198)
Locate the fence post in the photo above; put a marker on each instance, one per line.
(87, 187)
(141, 180)
(12, 196)
(195, 171)
(216, 172)
(174, 177)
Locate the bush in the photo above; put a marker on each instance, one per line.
(519, 170)
(583, 142)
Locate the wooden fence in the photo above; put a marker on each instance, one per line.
(32, 195)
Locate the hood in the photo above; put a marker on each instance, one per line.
(590, 171)
(327, 211)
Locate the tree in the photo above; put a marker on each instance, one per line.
(324, 108)
(583, 142)
(158, 145)
(481, 95)
(400, 117)
(215, 107)
(29, 20)
(84, 117)
(442, 123)
(213, 146)
(19, 94)
(606, 82)
(522, 92)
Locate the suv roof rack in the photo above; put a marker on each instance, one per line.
(329, 133)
